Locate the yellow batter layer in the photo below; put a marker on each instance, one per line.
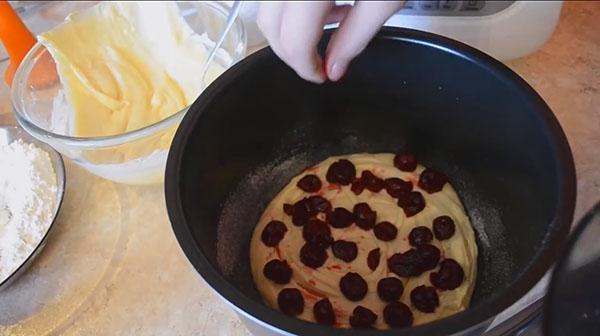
(325, 280)
(126, 65)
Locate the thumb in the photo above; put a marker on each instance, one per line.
(356, 30)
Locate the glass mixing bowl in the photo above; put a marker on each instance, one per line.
(134, 157)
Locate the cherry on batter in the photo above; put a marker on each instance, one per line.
(414, 261)
(358, 186)
(443, 227)
(362, 318)
(309, 183)
(405, 161)
(290, 301)
(412, 203)
(302, 212)
(396, 187)
(323, 312)
(341, 172)
(344, 250)
(373, 258)
(313, 256)
(424, 298)
(449, 276)
(340, 218)
(430, 256)
(364, 216)
(432, 180)
(273, 233)
(405, 264)
(385, 231)
(278, 271)
(317, 233)
(390, 289)
(419, 236)
(372, 182)
(318, 204)
(353, 286)
(288, 209)
(397, 314)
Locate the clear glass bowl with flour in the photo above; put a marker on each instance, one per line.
(137, 153)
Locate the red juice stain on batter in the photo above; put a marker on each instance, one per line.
(334, 186)
(278, 251)
(337, 267)
(311, 294)
(339, 315)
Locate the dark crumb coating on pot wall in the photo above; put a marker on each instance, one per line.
(333, 217)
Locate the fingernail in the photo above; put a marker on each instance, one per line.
(336, 71)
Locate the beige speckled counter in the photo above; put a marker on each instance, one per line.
(113, 266)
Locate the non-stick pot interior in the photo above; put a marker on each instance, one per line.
(260, 124)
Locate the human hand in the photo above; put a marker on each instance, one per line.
(294, 29)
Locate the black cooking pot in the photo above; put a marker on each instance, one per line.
(259, 124)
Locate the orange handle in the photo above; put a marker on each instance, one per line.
(15, 36)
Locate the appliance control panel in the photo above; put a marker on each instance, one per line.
(503, 29)
(454, 7)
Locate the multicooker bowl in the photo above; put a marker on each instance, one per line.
(458, 109)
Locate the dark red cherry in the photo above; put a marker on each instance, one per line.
(443, 227)
(340, 218)
(364, 217)
(290, 301)
(344, 250)
(358, 186)
(419, 236)
(396, 187)
(407, 264)
(323, 312)
(278, 271)
(412, 203)
(317, 233)
(449, 276)
(302, 212)
(372, 182)
(341, 172)
(288, 209)
(430, 256)
(353, 286)
(318, 204)
(309, 183)
(373, 258)
(397, 314)
(390, 289)
(424, 298)
(273, 233)
(385, 231)
(362, 318)
(432, 180)
(313, 256)
(405, 161)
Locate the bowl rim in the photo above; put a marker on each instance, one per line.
(58, 166)
(34, 53)
(589, 219)
(472, 319)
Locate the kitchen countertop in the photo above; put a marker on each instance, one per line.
(113, 267)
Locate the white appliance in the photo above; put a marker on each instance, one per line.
(503, 29)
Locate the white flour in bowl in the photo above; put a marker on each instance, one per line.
(28, 191)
